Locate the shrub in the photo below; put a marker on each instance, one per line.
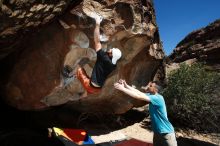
(190, 97)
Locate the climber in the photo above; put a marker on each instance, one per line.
(105, 63)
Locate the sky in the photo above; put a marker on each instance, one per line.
(177, 18)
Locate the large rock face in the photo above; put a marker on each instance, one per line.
(33, 78)
(203, 45)
(18, 17)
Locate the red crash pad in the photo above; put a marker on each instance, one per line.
(133, 142)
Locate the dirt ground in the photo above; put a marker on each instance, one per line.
(136, 124)
(138, 131)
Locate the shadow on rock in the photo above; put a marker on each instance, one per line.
(65, 117)
(27, 137)
(97, 124)
(55, 116)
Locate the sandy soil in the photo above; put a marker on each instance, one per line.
(134, 124)
(133, 131)
(141, 130)
(137, 131)
(184, 138)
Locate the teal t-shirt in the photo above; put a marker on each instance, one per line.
(158, 114)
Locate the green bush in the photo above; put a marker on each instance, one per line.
(191, 98)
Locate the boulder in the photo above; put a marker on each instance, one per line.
(202, 44)
(34, 77)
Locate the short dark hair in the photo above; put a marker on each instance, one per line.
(157, 85)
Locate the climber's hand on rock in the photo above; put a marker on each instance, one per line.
(119, 86)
